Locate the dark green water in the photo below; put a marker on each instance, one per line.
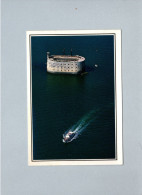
(62, 101)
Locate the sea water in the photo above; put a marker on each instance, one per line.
(83, 102)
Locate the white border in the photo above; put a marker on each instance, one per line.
(118, 99)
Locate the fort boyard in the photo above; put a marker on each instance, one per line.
(68, 64)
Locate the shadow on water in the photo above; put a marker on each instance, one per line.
(64, 80)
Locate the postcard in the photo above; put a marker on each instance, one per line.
(74, 97)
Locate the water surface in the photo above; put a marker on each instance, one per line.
(61, 101)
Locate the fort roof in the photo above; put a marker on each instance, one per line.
(66, 58)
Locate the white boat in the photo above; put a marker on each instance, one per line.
(69, 137)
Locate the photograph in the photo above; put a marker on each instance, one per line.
(72, 84)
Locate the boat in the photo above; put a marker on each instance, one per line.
(69, 137)
(69, 64)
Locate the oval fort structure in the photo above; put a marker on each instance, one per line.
(70, 64)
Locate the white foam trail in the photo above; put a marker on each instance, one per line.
(82, 124)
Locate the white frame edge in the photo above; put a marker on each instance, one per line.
(118, 100)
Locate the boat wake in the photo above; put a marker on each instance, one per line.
(73, 132)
